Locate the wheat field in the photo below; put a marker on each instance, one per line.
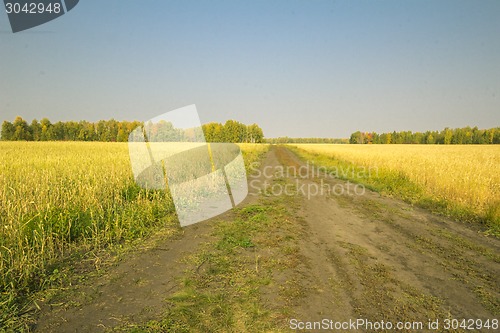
(58, 196)
(462, 177)
(62, 198)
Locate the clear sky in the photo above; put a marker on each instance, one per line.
(304, 68)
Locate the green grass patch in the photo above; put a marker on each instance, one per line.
(222, 292)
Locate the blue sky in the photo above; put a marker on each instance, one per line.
(297, 68)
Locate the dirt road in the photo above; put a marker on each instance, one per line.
(359, 255)
(381, 259)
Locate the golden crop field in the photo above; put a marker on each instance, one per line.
(465, 179)
(58, 198)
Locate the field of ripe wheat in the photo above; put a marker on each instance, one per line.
(62, 198)
(462, 180)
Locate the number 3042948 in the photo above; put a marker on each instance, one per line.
(32, 8)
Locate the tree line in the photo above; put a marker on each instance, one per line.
(233, 131)
(119, 131)
(465, 135)
(285, 139)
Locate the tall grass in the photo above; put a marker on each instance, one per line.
(58, 199)
(461, 181)
(252, 154)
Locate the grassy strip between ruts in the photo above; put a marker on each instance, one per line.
(398, 184)
(241, 281)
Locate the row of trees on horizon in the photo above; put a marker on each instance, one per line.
(465, 135)
(231, 131)
(285, 139)
(119, 131)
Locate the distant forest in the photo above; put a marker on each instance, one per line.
(285, 139)
(458, 136)
(119, 131)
